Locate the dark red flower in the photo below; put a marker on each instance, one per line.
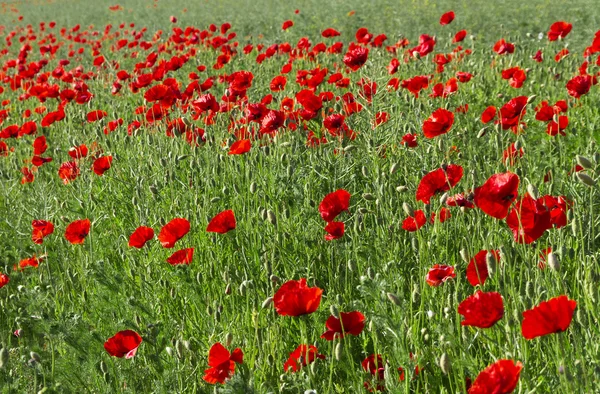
(579, 85)
(482, 310)
(501, 47)
(333, 204)
(500, 377)
(239, 147)
(173, 231)
(413, 223)
(68, 171)
(301, 357)
(459, 200)
(528, 220)
(140, 236)
(548, 317)
(335, 230)
(348, 323)
(447, 18)
(557, 206)
(78, 152)
(374, 365)
(356, 56)
(559, 30)
(512, 112)
(221, 363)
(439, 274)
(123, 344)
(76, 231)
(538, 57)
(222, 222)
(477, 270)
(183, 256)
(295, 298)
(101, 165)
(40, 230)
(410, 140)
(438, 181)
(438, 123)
(497, 194)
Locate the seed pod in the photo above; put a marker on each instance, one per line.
(339, 349)
(271, 217)
(553, 261)
(394, 168)
(585, 179)
(445, 363)
(368, 196)
(334, 311)
(228, 339)
(408, 209)
(394, 299)
(584, 162)
(266, 303)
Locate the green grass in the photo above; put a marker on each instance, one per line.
(83, 294)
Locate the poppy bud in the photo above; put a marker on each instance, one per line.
(35, 356)
(351, 265)
(266, 303)
(533, 191)
(408, 209)
(253, 187)
(338, 351)
(401, 188)
(364, 171)
(228, 289)
(443, 198)
(518, 144)
(242, 288)
(584, 162)
(274, 278)
(349, 148)
(440, 145)
(445, 363)
(3, 357)
(585, 179)
(368, 196)
(263, 214)
(531, 99)
(169, 351)
(393, 168)
(271, 217)
(199, 278)
(362, 210)
(334, 311)
(553, 261)
(228, 339)
(491, 263)
(370, 273)
(163, 162)
(394, 299)
(482, 132)
(529, 289)
(416, 54)
(464, 255)
(179, 348)
(580, 317)
(103, 367)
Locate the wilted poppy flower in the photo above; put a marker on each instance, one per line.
(183, 256)
(301, 357)
(348, 323)
(500, 377)
(68, 171)
(439, 274)
(102, 164)
(559, 30)
(221, 363)
(335, 230)
(76, 231)
(477, 270)
(333, 204)
(4, 279)
(295, 298)
(497, 194)
(438, 123)
(438, 181)
(548, 317)
(222, 222)
(501, 47)
(528, 220)
(579, 85)
(239, 147)
(40, 230)
(356, 56)
(481, 310)
(140, 236)
(123, 344)
(447, 18)
(173, 232)
(413, 223)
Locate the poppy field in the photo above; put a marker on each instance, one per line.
(262, 197)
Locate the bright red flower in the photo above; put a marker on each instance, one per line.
(78, 152)
(482, 310)
(183, 256)
(477, 270)
(95, 115)
(425, 47)
(123, 344)
(4, 279)
(410, 140)
(28, 175)
(464, 76)
(488, 114)
(559, 30)
(330, 32)
(335, 230)
(140, 236)
(348, 323)
(553, 128)
(497, 194)
(500, 377)
(39, 145)
(558, 207)
(579, 85)
(538, 57)
(76, 231)
(548, 317)
(30, 262)
(528, 220)
(40, 230)
(439, 274)
(333, 204)
(501, 47)
(68, 171)
(356, 56)
(301, 357)
(444, 215)
(102, 164)
(438, 181)
(413, 223)
(287, 24)
(512, 112)
(438, 123)
(447, 18)
(416, 84)
(459, 36)
(515, 75)
(221, 363)
(295, 298)
(222, 222)
(173, 231)
(240, 147)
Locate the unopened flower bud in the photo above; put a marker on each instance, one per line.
(553, 261)
(585, 179)
(394, 299)
(445, 363)
(584, 162)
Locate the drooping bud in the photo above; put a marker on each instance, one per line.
(408, 209)
(584, 162)
(585, 179)
(553, 261)
(445, 363)
(392, 297)
(266, 303)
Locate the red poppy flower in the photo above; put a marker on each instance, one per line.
(477, 270)
(4, 150)
(173, 232)
(497, 194)
(183, 256)
(222, 223)
(102, 164)
(76, 231)
(287, 24)
(240, 147)
(425, 47)
(221, 363)
(447, 18)
(95, 115)
(560, 55)
(410, 140)
(301, 357)
(39, 145)
(348, 323)
(40, 230)
(482, 310)
(579, 85)
(4, 279)
(459, 36)
(512, 112)
(501, 47)
(528, 220)
(416, 84)
(68, 171)
(28, 175)
(548, 317)
(500, 377)
(123, 344)
(464, 76)
(510, 154)
(295, 298)
(489, 114)
(413, 223)
(78, 152)
(444, 215)
(375, 366)
(333, 204)
(30, 262)
(330, 32)
(439, 274)
(140, 236)
(559, 30)
(438, 181)
(557, 206)
(356, 56)
(459, 200)
(438, 123)
(554, 128)
(335, 230)
(515, 75)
